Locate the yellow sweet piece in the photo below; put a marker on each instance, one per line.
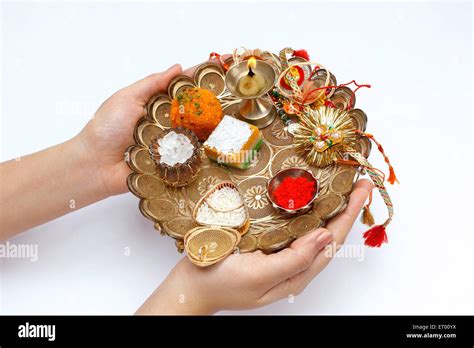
(240, 158)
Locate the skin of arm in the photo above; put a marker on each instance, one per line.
(85, 169)
(91, 167)
(45, 185)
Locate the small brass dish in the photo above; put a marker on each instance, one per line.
(181, 174)
(294, 173)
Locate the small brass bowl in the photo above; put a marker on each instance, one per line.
(274, 182)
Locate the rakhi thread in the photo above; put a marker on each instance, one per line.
(351, 100)
(221, 60)
(283, 59)
(294, 53)
(377, 235)
(277, 101)
(392, 178)
(290, 80)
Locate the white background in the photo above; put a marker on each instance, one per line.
(61, 60)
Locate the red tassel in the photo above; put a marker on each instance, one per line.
(375, 236)
(301, 53)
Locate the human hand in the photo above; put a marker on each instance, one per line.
(87, 168)
(244, 281)
(106, 136)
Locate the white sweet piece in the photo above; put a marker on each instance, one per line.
(175, 148)
(229, 136)
(225, 199)
(223, 207)
(208, 216)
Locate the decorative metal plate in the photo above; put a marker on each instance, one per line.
(171, 208)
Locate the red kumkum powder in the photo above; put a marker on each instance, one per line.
(294, 193)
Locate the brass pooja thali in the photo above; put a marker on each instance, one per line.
(172, 208)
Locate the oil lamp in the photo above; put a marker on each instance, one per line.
(251, 80)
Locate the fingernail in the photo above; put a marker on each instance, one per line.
(324, 239)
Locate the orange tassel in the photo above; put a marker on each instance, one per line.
(375, 236)
(367, 217)
(392, 178)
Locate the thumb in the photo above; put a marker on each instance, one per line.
(295, 259)
(147, 87)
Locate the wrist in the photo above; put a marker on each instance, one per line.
(179, 294)
(86, 168)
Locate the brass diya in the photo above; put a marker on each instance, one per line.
(258, 108)
(171, 208)
(210, 244)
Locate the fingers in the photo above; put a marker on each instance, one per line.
(342, 223)
(296, 284)
(147, 87)
(339, 227)
(295, 259)
(190, 71)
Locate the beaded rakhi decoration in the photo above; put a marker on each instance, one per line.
(323, 134)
